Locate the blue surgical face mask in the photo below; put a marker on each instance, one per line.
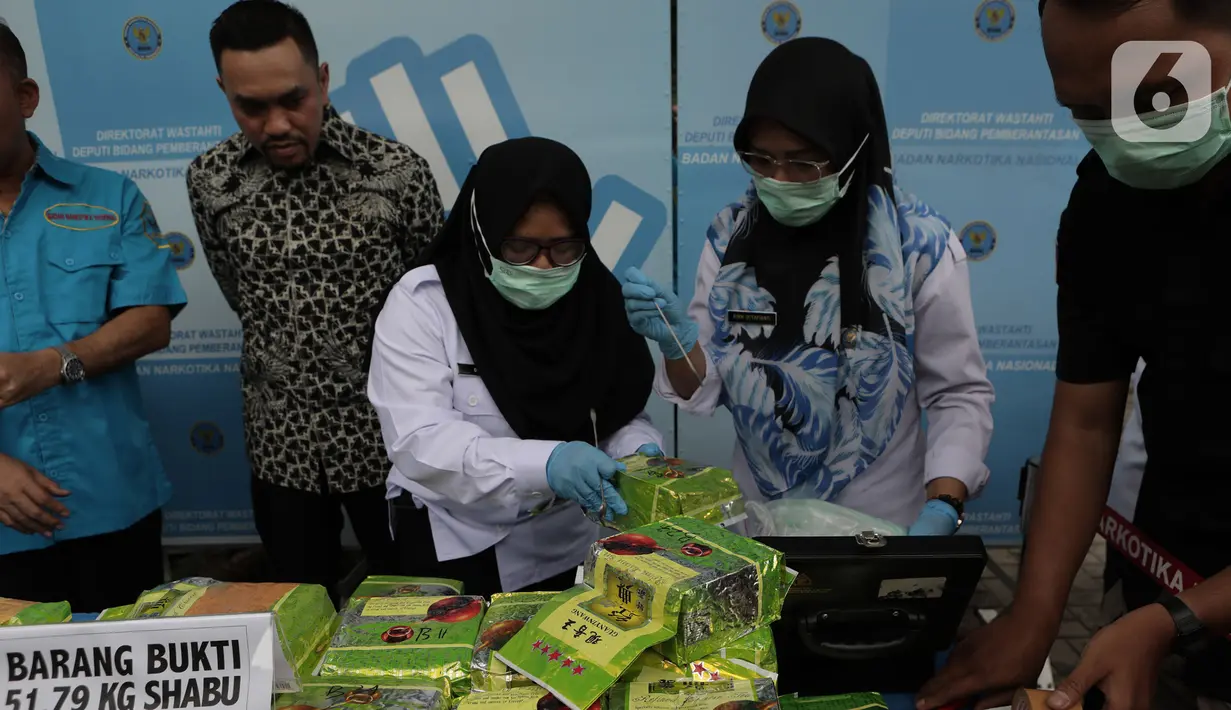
(797, 204)
(1162, 166)
(525, 286)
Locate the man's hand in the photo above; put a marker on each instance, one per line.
(28, 499)
(992, 662)
(23, 375)
(1122, 660)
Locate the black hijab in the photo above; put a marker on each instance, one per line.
(827, 95)
(546, 370)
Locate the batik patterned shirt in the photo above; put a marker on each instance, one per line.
(303, 257)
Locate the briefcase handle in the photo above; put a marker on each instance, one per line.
(811, 632)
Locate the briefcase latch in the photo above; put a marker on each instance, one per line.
(870, 538)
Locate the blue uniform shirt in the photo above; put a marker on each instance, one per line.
(80, 245)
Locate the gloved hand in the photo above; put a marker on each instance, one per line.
(652, 450)
(581, 473)
(936, 518)
(640, 296)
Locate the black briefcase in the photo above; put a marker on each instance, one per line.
(870, 612)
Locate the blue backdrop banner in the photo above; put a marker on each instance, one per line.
(976, 133)
(130, 86)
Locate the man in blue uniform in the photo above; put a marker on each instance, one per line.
(86, 288)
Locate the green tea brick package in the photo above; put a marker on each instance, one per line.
(14, 612)
(656, 488)
(691, 695)
(752, 657)
(684, 575)
(506, 615)
(366, 694)
(849, 701)
(303, 612)
(406, 637)
(392, 586)
(735, 584)
(116, 613)
(529, 697)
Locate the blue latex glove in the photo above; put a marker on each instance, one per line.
(936, 518)
(640, 296)
(578, 472)
(651, 450)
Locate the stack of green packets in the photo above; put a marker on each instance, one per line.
(366, 694)
(401, 635)
(691, 695)
(684, 587)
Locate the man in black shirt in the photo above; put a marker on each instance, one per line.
(1142, 270)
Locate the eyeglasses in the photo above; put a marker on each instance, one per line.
(795, 170)
(560, 252)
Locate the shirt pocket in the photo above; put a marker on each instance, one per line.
(78, 280)
(471, 398)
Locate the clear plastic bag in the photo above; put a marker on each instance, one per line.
(804, 517)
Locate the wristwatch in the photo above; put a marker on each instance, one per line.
(71, 369)
(1190, 633)
(956, 505)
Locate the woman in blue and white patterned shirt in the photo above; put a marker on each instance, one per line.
(831, 310)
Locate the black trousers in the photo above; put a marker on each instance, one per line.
(302, 532)
(480, 573)
(90, 573)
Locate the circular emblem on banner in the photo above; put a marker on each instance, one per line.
(183, 253)
(781, 22)
(206, 438)
(142, 37)
(979, 240)
(994, 19)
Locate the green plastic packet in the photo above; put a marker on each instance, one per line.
(393, 586)
(657, 488)
(14, 612)
(115, 613)
(406, 637)
(303, 612)
(506, 615)
(529, 697)
(848, 701)
(642, 587)
(693, 695)
(738, 584)
(366, 694)
(752, 657)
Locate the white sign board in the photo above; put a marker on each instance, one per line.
(228, 661)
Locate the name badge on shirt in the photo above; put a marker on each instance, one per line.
(465, 368)
(753, 317)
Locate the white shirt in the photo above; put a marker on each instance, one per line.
(1130, 459)
(456, 454)
(951, 384)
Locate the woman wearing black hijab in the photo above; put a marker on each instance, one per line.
(507, 380)
(831, 310)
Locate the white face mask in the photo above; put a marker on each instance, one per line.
(527, 287)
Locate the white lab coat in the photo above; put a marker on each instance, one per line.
(455, 453)
(951, 384)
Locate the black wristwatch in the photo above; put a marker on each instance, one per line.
(1190, 633)
(956, 505)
